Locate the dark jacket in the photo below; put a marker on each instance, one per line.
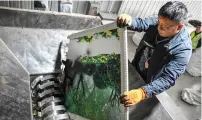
(168, 57)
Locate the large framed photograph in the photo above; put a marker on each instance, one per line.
(93, 69)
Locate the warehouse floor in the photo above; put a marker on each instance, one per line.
(185, 81)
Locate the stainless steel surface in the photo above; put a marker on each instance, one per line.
(36, 81)
(48, 100)
(51, 83)
(51, 108)
(41, 79)
(48, 77)
(15, 101)
(62, 116)
(124, 69)
(30, 53)
(57, 117)
(45, 103)
(49, 91)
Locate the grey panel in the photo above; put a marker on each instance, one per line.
(36, 49)
(14, 4)
(26, 4)
(75, 6)
(4, 3)
(82, 7)
(48, 20)
(53, 5)
(14, 87)
(32, 4)
(116, 7)
(105, 6)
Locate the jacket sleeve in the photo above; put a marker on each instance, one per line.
(143, 24)
(169, 73)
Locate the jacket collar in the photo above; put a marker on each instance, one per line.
(183, 34)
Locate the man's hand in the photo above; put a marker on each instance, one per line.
(132, 97)
(124, 20)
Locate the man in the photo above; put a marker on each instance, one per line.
(196, 36)
(163, 53)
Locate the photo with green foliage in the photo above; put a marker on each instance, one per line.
(99, 100)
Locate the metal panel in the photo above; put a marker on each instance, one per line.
(122, 7)
(136, 8)
(17, 4)
(128, 6)
(78, 6)
(110, 6)
(53, 5)
(75, 6)
(116, 6)
(14, 4)
(146, 7)
(4, 3)
(82, 7)
(26, 4)
(104, 5)
(150, 8)
(14, 87)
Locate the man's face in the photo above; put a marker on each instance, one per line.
(167, 27)
(198, 29)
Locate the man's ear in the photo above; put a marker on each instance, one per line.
(180, 26)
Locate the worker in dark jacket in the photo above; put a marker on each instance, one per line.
(163, 52)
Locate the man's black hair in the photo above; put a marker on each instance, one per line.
(174, 10)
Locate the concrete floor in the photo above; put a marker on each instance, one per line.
(185, 81)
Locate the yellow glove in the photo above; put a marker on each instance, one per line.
(133, 97)
(124, 20)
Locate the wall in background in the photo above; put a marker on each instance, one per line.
(148, 8)
(18, 4)
(138, 8)
(78, 6)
